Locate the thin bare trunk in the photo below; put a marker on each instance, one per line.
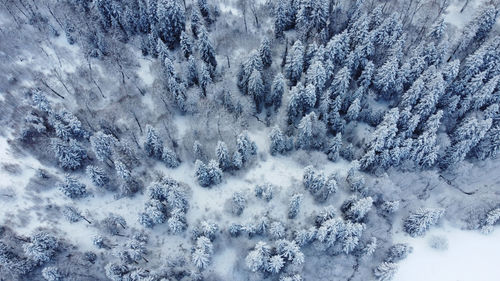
(465, 5)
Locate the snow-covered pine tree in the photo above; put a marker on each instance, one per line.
(69, 154)
(294, 205)
(300, 102)
(186, 44)
(418, 222)
(97, 175)
(265, 53)
(170, 158)
(311, 133)
(356, 209)
(278, 142)
(253, 62)
(281, 19)
(195, 22)
(385, 271)
(223, 156)
(353, 111)
(205, 11)
(201, 173)
(101, 145)
(334, 147)
(72, 188)
(246, 147)
(192, 72)
(336, 51)
(214, 172)
(295, 62)
(425, 148)
(465, 137)
(478, 29)
(237, 160)
(205, 79)
(382, 139)
(205, 48)
(277, 91)
(385, 79)
(316, 75)
(256, 89)
(153, 144)
(258, 258)
(171, 21)
(52, 273)
(238, 203)
(41, 248)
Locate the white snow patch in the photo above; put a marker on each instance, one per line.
(224, 263)
(453, 15)
(144, 71)
(470, 256)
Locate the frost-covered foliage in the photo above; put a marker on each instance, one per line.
(385, 271)
(102, 145)
(168, 202)
(41, 247)
(153, 144)
(294, 205)
(69, 154)
(319, 185)
(98, 176)
(398, 252)
(274, 260)
(52, 273)
(264, 191)
(339, 235)
(418, 222)
(280, 143)
(492, 217)
(238, 203)
(356, 209)
(208, 174)
(72, 188)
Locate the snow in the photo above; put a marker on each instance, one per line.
(224, 264)
(144, 70)
(453, 15)
(470, 256)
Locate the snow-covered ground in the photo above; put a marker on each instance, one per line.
(471, 256)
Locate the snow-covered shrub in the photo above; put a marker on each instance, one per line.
(264, 191)
(389, 207)
(398, 252)
(370, 247)
(438, 242)
(207, 229)
(113, 223)
(238, 203)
